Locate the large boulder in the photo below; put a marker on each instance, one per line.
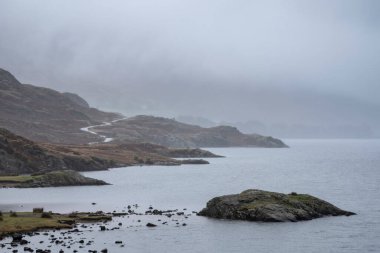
(258, 205)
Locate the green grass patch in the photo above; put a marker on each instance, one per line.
(29, 221)
(16, 179)
(301, 197)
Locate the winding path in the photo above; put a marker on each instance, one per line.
(105, 138)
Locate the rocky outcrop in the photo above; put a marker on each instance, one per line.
(169, 152)
(60, 178)
(258, 205)
(188, 153)
(171, 133)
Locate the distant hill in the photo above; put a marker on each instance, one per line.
(171, 133)
(46, 115)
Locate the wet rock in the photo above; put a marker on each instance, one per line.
(16, 238)
(23, 242)
(156, 212)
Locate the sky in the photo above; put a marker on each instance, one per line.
(274, 61)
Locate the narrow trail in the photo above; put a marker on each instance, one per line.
(105, 138)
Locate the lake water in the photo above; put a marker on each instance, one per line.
(343, 172)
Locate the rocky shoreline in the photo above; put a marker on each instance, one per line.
(46, 232)
(258, 205)
(21, 156)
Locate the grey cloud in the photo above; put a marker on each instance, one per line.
(202, 57)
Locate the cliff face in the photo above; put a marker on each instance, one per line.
(46, 115)
(171, 133)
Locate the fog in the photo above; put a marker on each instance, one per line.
(288, 68)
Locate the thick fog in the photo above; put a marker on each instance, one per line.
(286, 68)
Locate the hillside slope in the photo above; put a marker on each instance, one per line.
(46, 115)
(19, 155)
(171, 133)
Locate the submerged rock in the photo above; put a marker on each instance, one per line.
(258, 205)
(194, 161)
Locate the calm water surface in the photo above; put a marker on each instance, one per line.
(344, 172)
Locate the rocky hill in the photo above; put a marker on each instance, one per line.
(171, 133)
(46, 115)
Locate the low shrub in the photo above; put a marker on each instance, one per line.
(38, 210)
(73, 215)
(46, 215)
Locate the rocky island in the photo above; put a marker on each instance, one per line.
(258, 205)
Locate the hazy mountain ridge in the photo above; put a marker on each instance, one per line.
(287, 130)
(46, 115)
